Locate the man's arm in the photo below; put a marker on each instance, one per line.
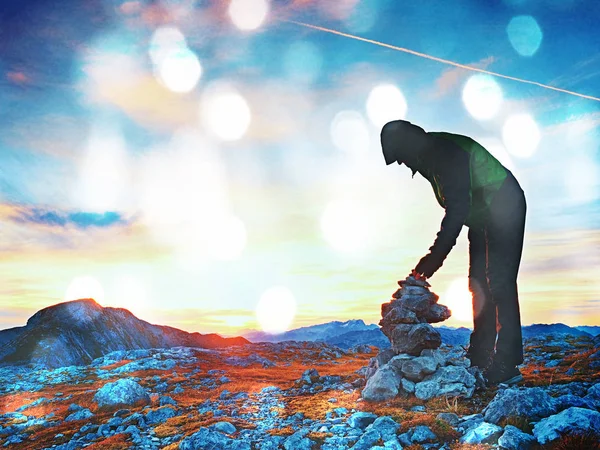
(454, 177)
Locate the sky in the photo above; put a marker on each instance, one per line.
(215, 165)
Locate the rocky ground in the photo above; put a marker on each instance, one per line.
(293, 395)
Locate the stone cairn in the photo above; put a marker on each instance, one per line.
(415, 364)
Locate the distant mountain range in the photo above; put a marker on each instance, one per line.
(354, 332)
(77, 332)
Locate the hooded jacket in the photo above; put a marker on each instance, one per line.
(464, 177)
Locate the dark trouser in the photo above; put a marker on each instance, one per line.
(495, 250)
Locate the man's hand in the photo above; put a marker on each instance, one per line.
(418, 276)
(427, 266)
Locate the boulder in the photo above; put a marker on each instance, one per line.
(570, 421)
(121, 392)
(569, 400)
(383, 385)
(530, 403)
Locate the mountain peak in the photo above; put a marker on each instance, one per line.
(82, 311)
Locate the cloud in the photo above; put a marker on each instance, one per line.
(63, 219)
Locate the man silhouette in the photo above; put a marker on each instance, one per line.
(477, 191)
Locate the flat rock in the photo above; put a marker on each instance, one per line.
(416, 369)
(412, 281)
(570, 421)
(413, 339)
(399, 314)
(437, 313)
(448, 381)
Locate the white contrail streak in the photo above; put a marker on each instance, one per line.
(433, 58)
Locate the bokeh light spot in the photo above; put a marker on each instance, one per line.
(180, 70)
(224, 112)
(85, 287)
(482, 96)
(349, 132)
(524, 34)
(459, 299)
(276, 309)
(248, 14)
(521, 135)
(384, 104)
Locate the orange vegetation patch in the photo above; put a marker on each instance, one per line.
(315, 406)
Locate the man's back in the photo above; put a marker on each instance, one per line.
(486, 173)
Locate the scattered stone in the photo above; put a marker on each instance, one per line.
(81, 414)
(160, 415)
(206, 438)
(515, 439)
(450, 418)
(483, 433)
(361, 420)
(298, 441)
(570, 421)
(385, 426)
(422, 434)
(225, 427)
(367, 440)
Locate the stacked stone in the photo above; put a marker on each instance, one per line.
(406, 318)
(414, 365)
